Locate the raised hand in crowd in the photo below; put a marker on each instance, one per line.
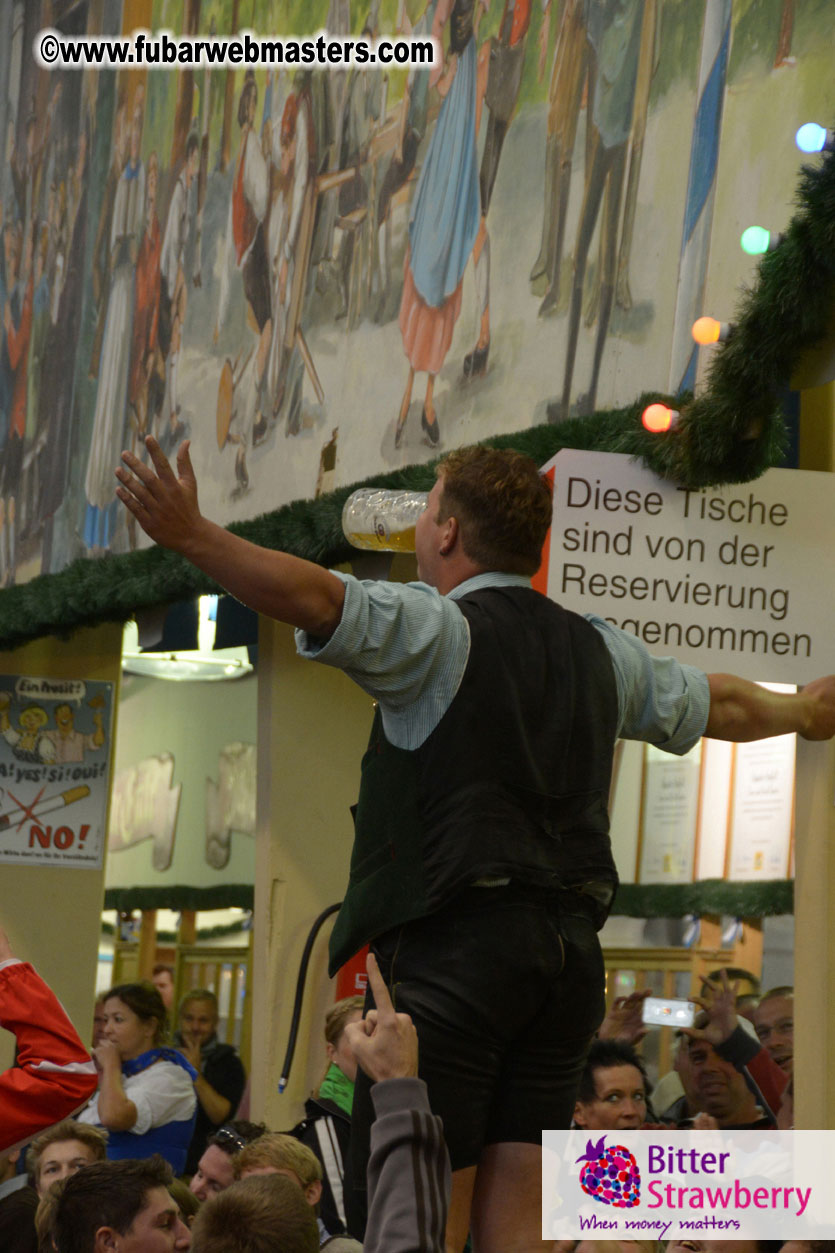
(385, 1043)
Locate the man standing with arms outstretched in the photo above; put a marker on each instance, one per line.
(482, 867)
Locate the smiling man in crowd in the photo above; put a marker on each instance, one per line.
(220, 1078)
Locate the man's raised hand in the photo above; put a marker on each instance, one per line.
(384, 1043)
(164, 504)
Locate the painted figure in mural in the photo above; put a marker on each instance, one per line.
(291, 206)
(445, 215)
(70, 745)
(57, 390)
(27, 740)
(34, 434)
(246, 251)
(414, 111)
(504, 80)
(17, 327)
(112, 393)
(145, 380)
(565, 92)
(361, 116)
(332, 119)
(102, 247)
(173, 294)
(613, 36)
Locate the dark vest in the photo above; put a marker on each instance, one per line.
(513, 782)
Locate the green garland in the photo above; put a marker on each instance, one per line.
(633, 900)
(710, 896)
(731, 434)
(181, 896)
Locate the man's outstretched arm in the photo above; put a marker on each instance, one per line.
(272, 583)
(741, 710)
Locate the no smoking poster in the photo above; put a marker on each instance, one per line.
(55, 749)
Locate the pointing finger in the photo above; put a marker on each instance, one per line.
(378, 987)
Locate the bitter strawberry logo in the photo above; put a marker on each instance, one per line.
(610, 1175)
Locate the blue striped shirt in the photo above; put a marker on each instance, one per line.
(407, 646)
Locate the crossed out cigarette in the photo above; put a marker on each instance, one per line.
(59, 801)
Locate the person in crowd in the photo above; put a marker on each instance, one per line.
(277, 1154)
(18, 1207)
(187, 1203)
(773, 1021)
(326, 1128)
(733, 1078)
(54, 1074)
(162, 977)
(216, 1169)
(408, 1169)
(614, 1089)
(408, 1172)
(497, 710)
(146, 1094)
(724, 1246)
(220, 1078)
(119, 1207)
(61, 1151)
(98, 1020)
(257, 1215)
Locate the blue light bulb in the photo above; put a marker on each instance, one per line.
(811, 137)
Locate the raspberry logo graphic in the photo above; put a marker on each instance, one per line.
(610, 1175)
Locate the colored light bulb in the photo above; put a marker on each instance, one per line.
(706, 331)
(755, 240)
(810, 137)
(658, 418)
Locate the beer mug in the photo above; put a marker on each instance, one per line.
(381, 519)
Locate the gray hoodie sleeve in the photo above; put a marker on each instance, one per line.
(408, 1172)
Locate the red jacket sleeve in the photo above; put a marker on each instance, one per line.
(55, 1074)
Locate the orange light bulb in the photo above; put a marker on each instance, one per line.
(658, 418)
(706, 331)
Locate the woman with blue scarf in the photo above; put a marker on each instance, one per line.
(146, 1096)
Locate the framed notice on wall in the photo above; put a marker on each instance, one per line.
(669, 812)
(762, 809)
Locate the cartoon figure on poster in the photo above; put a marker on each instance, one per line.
(55, 746)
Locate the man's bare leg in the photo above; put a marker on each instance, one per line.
(460, 1206)
(507, 1201)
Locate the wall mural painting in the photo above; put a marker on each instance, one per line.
(144, 805)
(230, 802)
(317, 276)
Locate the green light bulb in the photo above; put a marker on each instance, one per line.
(755, 240)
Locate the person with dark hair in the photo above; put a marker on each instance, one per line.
(482, 866)
(162, 977)
(220, 1078)
(119, 1207)
(773, 1020)
(614, 1090)
(216, 1169)
(326, 1128)
(146, 1094)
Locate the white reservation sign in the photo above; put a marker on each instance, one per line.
(739, 579)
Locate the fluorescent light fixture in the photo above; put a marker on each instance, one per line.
(204, 664)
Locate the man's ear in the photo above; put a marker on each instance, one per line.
(106, 1240)
(449, 536)
(313, 1192)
